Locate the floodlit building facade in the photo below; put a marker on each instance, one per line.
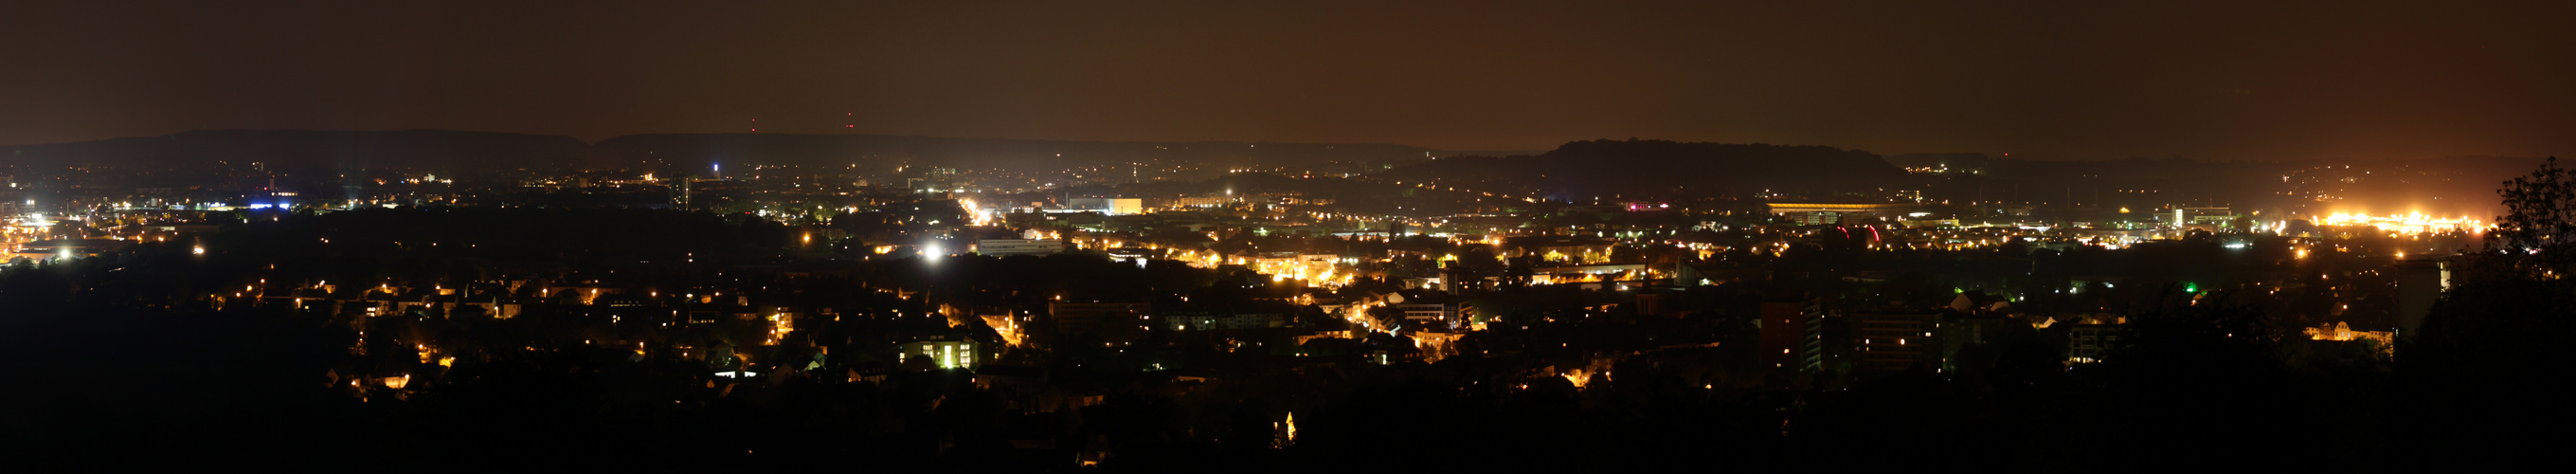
(943, 352)
(1009, 247)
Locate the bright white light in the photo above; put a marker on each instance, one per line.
(931, 251)
(198, 250)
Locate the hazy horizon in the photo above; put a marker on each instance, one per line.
(1460, 152)
(2037, 80)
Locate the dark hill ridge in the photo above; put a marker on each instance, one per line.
(1726, 162)
(448, 150)
(1582, 168)
(1604, 168)
(458, 152)
(1939, 160)
(692, 150)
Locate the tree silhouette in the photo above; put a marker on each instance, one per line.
(2473, 368)
(2540, 211)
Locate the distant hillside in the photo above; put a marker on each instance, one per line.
(691, 150)
(1939, 160)
(437, 150)
(454, 151)
(1605, 168)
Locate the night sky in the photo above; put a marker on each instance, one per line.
(2047, 80)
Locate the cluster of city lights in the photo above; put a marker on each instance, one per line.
(2409, 223)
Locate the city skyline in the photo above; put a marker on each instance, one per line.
(1251, 237)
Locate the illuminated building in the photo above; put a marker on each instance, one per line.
(2091, 337)
(1138, 256)
(2341, 332)
(1825, 214)
(1110, 206)
(2208, 216)
(1009, 247)
(1222, 319)
(680, 194)
(1198, 201)
(946, 352)
(1792, 333)
(1450, 313)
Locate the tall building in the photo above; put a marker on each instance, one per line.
(2420, 282)
(2087, 341)
(1792, 334)
(680, 194)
